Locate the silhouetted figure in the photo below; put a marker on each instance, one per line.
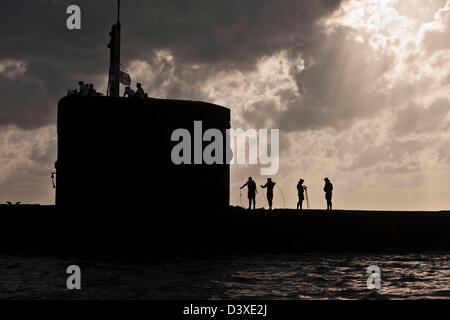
(269, 185)
(53, 179)
(251, 192)
(84, 90)
(301, 194)
(91, 91)
(129, 92)
(140, 92)
(328, 189)
(10, 203)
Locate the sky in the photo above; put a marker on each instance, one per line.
(358, 89)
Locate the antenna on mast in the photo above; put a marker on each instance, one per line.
(114, 57)
(118, 10)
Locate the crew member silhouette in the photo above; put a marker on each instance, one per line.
(91, 90)
(139, 92)
(129, 92)
(301, 194)
(251, 192)
(269, 185)
(328, 189)
(84, 89)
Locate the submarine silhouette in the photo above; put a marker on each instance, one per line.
(118, 191)
(116, 184)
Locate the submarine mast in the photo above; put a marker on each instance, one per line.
(114, 57)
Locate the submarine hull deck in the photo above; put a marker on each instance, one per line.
(45, 228)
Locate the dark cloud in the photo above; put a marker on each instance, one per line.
(258, 113)
(25, 102)
(222, 34)
(418, 119)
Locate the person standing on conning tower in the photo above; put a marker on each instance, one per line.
(251, 187)
(269, 185)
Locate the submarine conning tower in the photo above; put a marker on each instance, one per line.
(116, 152)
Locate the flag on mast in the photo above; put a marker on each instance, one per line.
(125, 78)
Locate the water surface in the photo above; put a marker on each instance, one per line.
(286, 276)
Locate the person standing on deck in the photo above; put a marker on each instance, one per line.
(301, 194)
(269, 185)
(251, 187)
(328, 189)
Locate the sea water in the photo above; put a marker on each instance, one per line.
(284, 276)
